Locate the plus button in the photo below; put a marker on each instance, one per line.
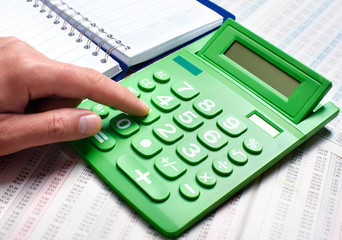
(143, 176)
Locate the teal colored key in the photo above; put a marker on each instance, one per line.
(170, 167)
(167, 132)
(188, 119)
(165, 101)
(184, 90)
(191, 152)
(207, 107)
(231, 125)
(212, 138)
(124, 125)
(146, 145)
(142, 177)
(103, 140)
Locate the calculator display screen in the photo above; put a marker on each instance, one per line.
(263, 69)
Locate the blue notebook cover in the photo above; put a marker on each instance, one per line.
(127, 70)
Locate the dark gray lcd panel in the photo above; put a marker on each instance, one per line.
(261, 68)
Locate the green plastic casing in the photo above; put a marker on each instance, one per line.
(237, 91)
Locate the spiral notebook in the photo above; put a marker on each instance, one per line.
(106, 35)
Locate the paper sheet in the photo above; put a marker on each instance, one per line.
(48, 192)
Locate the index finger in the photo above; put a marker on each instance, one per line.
(70, 81)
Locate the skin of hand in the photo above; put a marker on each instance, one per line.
(38, 97)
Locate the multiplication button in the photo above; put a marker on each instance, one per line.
(142, 177)
(206, 178)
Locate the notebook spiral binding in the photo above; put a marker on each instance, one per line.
(80, 19)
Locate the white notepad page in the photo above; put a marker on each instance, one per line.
(20, 19)
(148, 27)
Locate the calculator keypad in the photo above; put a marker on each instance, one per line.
(190, 112)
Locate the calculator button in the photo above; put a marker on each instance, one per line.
(103, 140)
(207, 107)
(166, 132)
(146, 146)
(206, 178)
(189, 190)
(184, 90)
(142, 177)
(135, 91)
(170, 168)
(101, 110)
(151, 117)
(161, 76)
(165, 101)
(222, 167)
(231, 125)
(146, 85)
(191, 152)
(188, 120)
(252, 145)
(237, 156)
(124, 125)
(212, 138)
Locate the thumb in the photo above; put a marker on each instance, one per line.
(19, 131)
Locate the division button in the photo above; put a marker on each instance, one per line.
(222, 167)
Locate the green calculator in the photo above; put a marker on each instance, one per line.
(223, 110)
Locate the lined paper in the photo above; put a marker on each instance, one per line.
(20, 19)
(148, 27)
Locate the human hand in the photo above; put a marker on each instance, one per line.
(38, 96)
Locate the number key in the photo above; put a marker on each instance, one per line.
(191, 152)
(124, 125)
(167, 132)
(188, 120)
(231, 125)
(212, 138)
(184, 90)
(207, 107)
(165, 101)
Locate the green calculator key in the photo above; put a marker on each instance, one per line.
(223, 110)
(101, 110)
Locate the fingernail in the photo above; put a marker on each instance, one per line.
(89, 124)
(147, 108)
